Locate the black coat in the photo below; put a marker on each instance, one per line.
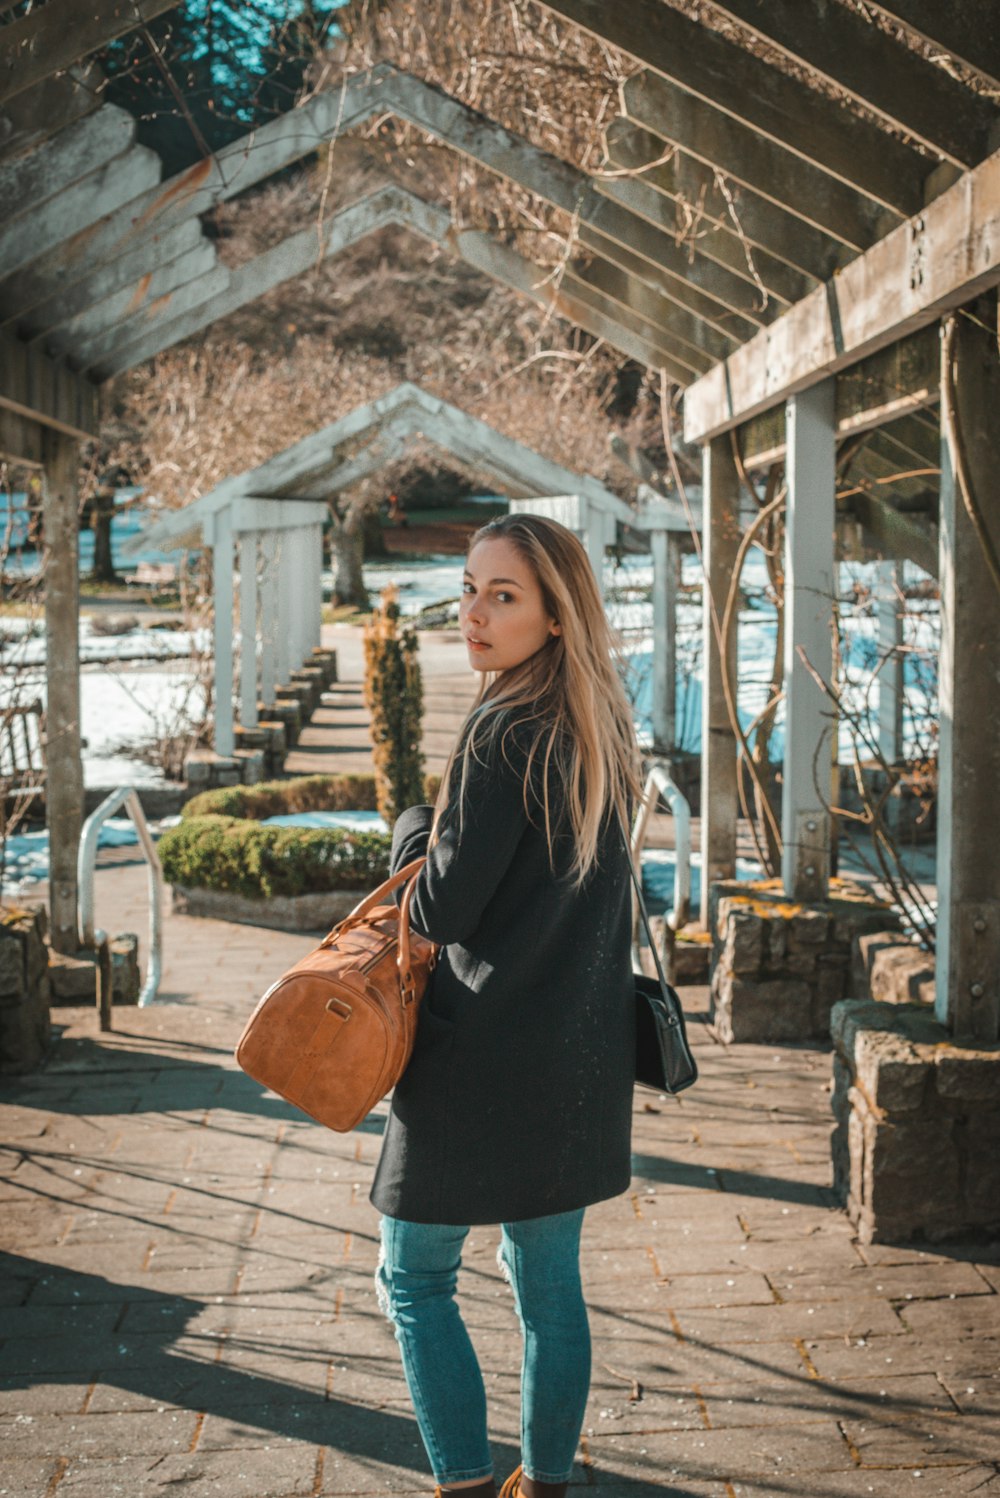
(518, 1099)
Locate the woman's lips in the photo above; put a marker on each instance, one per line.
(475, 644)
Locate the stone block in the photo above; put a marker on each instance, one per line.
(969, 1076)
(744, 945)
(901, 974)
(808, 928)
(25, 1031)
(13, 966)
(691, 961)
(126, 979)
(891, 1072)
(982, 1185)
(73, 979)
(251, 765)
(777, 942)
(196, 772)
(774, 1010)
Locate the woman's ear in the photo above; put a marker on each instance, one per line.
(555, 628)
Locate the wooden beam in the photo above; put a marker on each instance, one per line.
(680, 328)
(661, 341)
(969, 31)
(384, 90)
(29, 181)
(32, 118)
(967, 967)
(127, 272)
(393, 206)
(841, 46)
(943, 257)
(21, 439)
(730, 324)
(887, 385)
(748, 157)
(769, 102)
(51, 38)
(74, 211)
(34, 386)
(698, 191)
(715, 241)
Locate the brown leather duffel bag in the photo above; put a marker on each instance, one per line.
(335, 1032)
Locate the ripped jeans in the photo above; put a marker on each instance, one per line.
(416, 1280)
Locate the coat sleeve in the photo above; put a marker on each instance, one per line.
(477, 840)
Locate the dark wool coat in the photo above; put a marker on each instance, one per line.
(517, 1101)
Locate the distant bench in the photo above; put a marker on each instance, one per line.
(22, 752)
(153, 575)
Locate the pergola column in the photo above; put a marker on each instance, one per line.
(665, 546)
(269, 609)
(890, 671)
(286, 584)
(316, 638)
(809, 600)
(64, 782)
(720, 542)
(968, 848)
(248, 629)
(219, 534)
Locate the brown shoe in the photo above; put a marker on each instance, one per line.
(511, 1487)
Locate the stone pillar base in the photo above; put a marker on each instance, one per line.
(288, 713)
(310, 677)
(24, 990)
(326, 660)
(269, 739)
(916, 1145)
(778, 966)
(205, 770)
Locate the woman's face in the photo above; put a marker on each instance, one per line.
(502, 613)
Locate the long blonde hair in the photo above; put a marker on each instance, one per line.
(569, 695)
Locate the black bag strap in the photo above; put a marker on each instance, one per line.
(637, 884)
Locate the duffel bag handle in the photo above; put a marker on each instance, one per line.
(377, 897)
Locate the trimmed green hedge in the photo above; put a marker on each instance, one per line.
(275, 798)
(231, 853)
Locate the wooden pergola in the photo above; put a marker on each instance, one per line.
(836, 307)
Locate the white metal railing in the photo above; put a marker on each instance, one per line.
(659, 783)
(127, 798)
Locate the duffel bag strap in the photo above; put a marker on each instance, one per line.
(407, 987)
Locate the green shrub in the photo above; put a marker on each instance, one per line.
(231, 853)
(275, 798)
(394, 698)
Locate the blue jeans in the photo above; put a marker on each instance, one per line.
(416, 1281)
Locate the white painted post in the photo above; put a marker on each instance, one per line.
(248, 629)
(64, 790)
(890, 674)
(269, 590)
(316, 634)
(301, 594)
(967, 951)
(219, 535)
(809, 581)
(285, 585)
(720, 542)
(666, 583)
(594, 537)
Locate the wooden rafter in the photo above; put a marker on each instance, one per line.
(943, 257)
(842, 47)
(51, 38)
(969, 30)
(776, 106)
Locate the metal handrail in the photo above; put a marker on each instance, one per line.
(659, 783)
(128, 798)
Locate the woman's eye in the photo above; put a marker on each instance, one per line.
(468, 588)
(506, 597)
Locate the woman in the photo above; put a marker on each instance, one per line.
(516, 1105)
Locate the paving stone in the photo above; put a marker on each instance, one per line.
(722, 1454)
(28, 1477)
(906, 1482)
(922, 1441)
(840, 1318)
(894, 1282)
(278, 1473)
(100, 1435)
(868, 1357)
(965, 1316)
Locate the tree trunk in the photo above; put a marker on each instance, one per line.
(102, 509)
(346, 553)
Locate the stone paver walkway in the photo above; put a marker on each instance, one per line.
(188, 1304)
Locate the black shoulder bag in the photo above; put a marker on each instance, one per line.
(663, 1057)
